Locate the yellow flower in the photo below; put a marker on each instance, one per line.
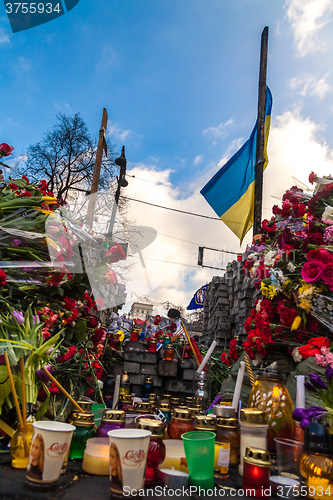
(49, 200)
(296, 323)
(121, 335)
(268, 291)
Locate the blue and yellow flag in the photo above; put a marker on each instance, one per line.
(231, 191)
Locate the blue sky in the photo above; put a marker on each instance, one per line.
(179, 81)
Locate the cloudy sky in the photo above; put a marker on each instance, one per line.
(179, 81)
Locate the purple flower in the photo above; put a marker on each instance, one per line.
(18, 316)
(329, 373)
(304, 416)
(16, 243)
(42, 375)
(317, 382)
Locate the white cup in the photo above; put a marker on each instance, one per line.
(49, 446)
(128, 459)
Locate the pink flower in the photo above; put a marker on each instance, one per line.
(328, 235)
(311, 271)
(320, 360)
(5, 149)
(327, 275)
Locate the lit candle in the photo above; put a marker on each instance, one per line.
(238, 386)
(96, 457)
(256, 472)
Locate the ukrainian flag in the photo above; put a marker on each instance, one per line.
(231, 191)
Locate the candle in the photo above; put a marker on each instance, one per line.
(257, 466)
(174, 456)
(284, 487)
(174, 479)
(206, 358)
(300, 391)
(238, 386)
(96, 457)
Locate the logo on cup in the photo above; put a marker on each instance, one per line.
(134, 458)
(23, 16)
(57, 449)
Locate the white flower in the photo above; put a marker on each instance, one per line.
(328, 213)
(270, 258)
(297, 357)
(258, 305)
(291, 267)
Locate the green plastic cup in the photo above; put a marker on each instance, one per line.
(199, 451)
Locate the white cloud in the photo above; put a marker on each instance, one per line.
(309, 85)
(22, 65)
(171, 260)
(122, 134)
(198, 159)
(4, 37)
(219, 132)
(294, 149)
(307, 17)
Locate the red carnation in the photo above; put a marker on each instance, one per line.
(13, 186)
(26, 179)
(3, 278)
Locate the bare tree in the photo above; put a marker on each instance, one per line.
(65, 158)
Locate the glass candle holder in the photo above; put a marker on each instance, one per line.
(111, 420)
(84, 423)
(152, 345)
(20, 446)
(253, 432)
(181, 422)
(169, 353)
(270, 395)
(256, 471)
(134, 335)
(156, 449)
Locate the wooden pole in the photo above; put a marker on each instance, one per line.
(62, 389)
(260, 133)
(97, 169)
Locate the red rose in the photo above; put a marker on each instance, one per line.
(25, 194)
(307, 351)
(319, 342)
(97, 335)
(93, 322)
(311, 271)
(327, 275)
(5, 149)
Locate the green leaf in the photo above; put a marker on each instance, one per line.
(80, 330)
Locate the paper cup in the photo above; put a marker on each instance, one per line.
(128, 458)
(49, 446)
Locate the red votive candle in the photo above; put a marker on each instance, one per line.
(256, 471)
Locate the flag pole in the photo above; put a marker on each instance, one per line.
(260, 160)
